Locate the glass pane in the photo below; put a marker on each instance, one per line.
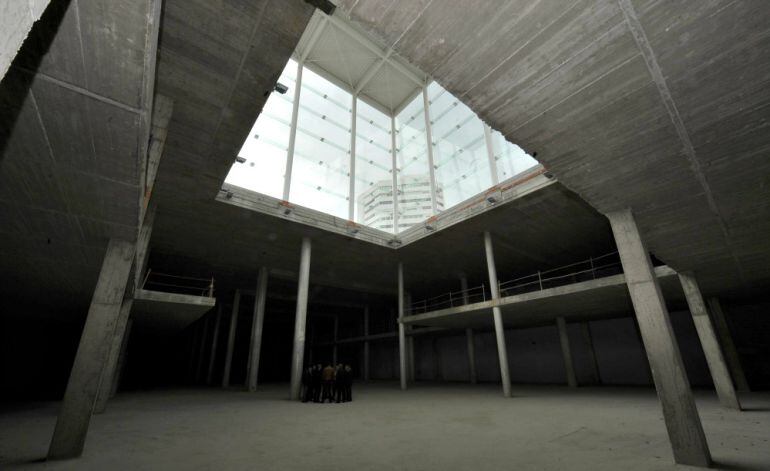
(321, 168)
(412, 170)
(265, 149)
(509, 158)
(374, 168)
(459, 151)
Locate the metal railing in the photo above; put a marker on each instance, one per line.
(451, 299)
(178, 284)
(584, 270)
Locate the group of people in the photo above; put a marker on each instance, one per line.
(334, 383)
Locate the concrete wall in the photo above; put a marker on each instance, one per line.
(535, 357)
(16, 20)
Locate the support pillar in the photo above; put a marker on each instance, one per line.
(75, 415)
(202, 350)
(409, 343)
(437, 375)
(401, 328)
(108, 384)
(256, 330)
(366, 343)
(110, 368)
(117, 378)
(502, 350)
(708, 340)
(471, 347)
(334, 347)
(231, 339)
(569, 367)
(214, 344)
(298, 354)
(586, 328)
(679, 412)
(726, 339)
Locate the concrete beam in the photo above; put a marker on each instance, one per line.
(116, 348)
(231, 339)
(401, 327)
(214, 344)
(679, 412)
(256, 330)
(726, 339)
(470, 344)
(708, 340)
(75, 415)
(298, 352)
(502, 350)
(586, 329)
(566, 352)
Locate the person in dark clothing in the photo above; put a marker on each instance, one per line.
(307, 383)
(315, 378)
(348, 383)
(327, 375)
(339, 384)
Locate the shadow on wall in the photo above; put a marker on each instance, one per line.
(15, 86)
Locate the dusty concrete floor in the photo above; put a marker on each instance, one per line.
(432, 426)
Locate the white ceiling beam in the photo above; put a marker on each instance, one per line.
(370, 73)
(314, 36)
(366, 42)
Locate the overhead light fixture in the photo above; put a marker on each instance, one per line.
(281, 88)
(491, 199)
(548, 175)
(240, 160)
(430, 228)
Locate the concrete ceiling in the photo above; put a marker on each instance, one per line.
(72, 129)
(658, 106)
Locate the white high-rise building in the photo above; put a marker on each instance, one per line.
(375, 205)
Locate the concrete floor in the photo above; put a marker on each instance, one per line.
(432, 426)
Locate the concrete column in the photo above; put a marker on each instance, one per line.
(256, 330)
(409, 342)
(202, 350)
(586, 328)
(679, 412)
(108, 384)
(437, 376)
(569, 367)
(334, 346)
(231, 339)
(75, 415)
(366, 343)
(108, 374)
(298, 354)
(401, 328)
(469, 335)
(726, 339)
(502, 350)
(117, 378)
(708, 340)
(214, 344)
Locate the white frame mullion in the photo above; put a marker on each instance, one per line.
(491, 154)
(429, 137)
(292, 134)
(395, 182)
(352, 190)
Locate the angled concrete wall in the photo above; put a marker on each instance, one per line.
(16, 20)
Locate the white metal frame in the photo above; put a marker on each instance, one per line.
(422, 87)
